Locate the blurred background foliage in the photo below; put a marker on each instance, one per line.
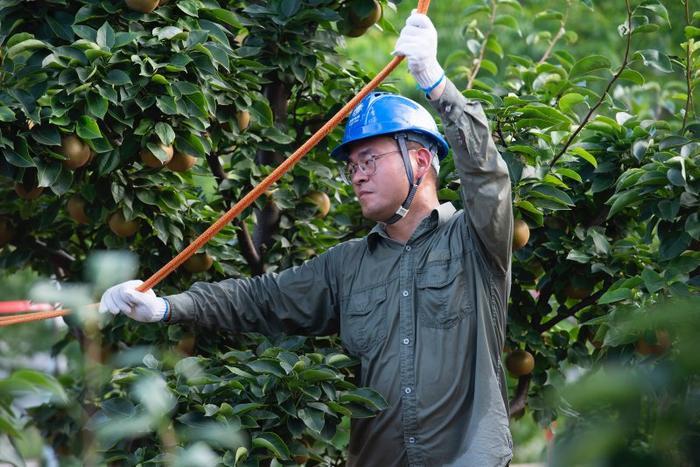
(591, 105)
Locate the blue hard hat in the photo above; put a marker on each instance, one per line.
(383, 113)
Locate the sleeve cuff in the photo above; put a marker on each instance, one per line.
(450, 103)
(181, 308)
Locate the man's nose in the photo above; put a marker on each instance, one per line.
(359, 176)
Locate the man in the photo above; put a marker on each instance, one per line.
(421, 301)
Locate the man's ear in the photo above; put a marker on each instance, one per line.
(423, 159)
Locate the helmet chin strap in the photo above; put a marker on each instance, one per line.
(413, 187)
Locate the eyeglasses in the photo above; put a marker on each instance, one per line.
(367, 166)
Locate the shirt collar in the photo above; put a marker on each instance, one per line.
(437, 217)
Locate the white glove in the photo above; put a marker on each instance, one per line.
(141, 306)
(418, 43)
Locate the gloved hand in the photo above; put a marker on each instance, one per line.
(418, 43)
(141, 306)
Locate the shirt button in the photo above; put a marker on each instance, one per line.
(407, 390)
(406, 341)
(412, 440)
(408, 247)
(405, 293)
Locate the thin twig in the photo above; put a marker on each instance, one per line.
(482, 52)
(499, 130)
(605, 93)
(563, 312)
(559, 35)
(688, 70)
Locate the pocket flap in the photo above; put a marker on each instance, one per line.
(437, 274)
(361, 303)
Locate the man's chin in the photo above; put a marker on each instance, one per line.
(374, 215)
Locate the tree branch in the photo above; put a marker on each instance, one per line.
(625, 61)
(499, 131)
(251, 255)
(60, 259)
(559, 35)
(519, 401)
(563, 312)
(482, 51)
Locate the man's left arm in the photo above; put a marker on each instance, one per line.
(486, 188)
(484, 175)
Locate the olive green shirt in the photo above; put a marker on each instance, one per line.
(426, 318)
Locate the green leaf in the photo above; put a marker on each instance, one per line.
(147, 197)
(167, 105)
(221, 15)
(190, 144)
(588, 65)
(87, 128)
(585, 155)
(267, 366)
(551, 193)
(507, 21)
(612, 296)
(6, 114)
(552, 180)
(30, 382)
(313, 375)
(366, 396)
(569, 100)
(105, 36)
(10, 426)
(165, 132)
(289, 8)
(672, 142)
(600, 242)
(676, 177)
(262, 112)
(622, 200)
(169, 32)
(239, 409)
(29, 44)
(474, 9)
(692, 225)
(312, 418)
(117, 78)
(631, 75)
(241, 455)
(189, 7)
(578, 256)
(655, 59)
(18, 159)
(17, 38)
(274, 134)
(568, 173)
(337, 408)
(673, 242)
(489, 66)
(692, 32)
(653, 281)
(639, 148)
(97, 105)
(46, 134)
(521, 148)
(273, 443)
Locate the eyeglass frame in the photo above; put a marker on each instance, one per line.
(372, 158)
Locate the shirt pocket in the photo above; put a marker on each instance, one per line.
(363, 323)
(442, 296)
